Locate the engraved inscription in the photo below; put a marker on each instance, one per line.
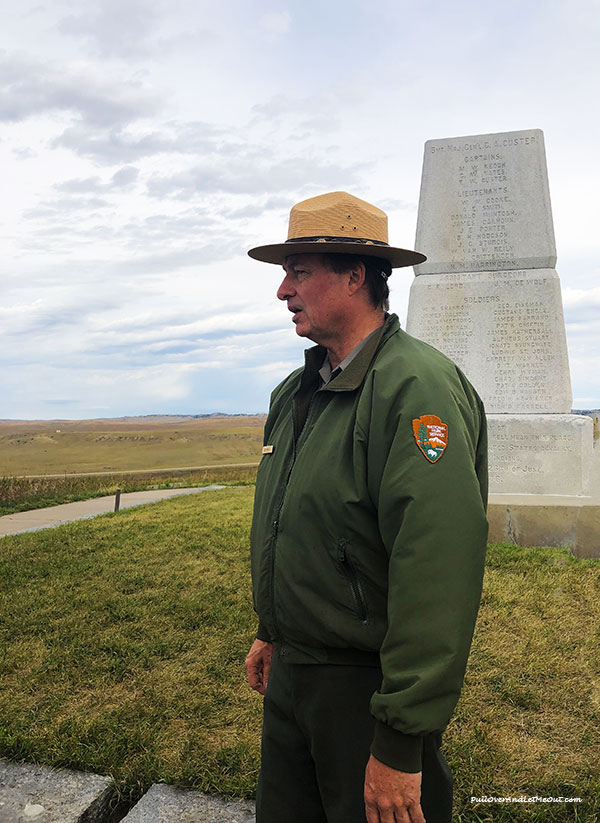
(504, 330)
(529, 455)
(484, 211)
(485, 204)
(483, 145)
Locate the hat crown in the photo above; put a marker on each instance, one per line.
(337, 214)
(337, 223)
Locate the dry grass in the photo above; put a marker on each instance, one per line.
(68, 447)
(24, 493)
(529, 714)
(122, 646)
(123, 643)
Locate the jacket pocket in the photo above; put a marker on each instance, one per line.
(358, 596)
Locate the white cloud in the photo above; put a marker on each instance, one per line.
(125, 176)
(113, 28)
(99, 97)
(581, 298)
(146, 145)
(276, 23)
(248, 173)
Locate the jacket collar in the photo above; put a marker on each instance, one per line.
(354, 374)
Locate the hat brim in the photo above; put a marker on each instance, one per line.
(277, 252)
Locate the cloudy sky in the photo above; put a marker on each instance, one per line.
(145, 145)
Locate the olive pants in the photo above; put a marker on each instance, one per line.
(317, 730)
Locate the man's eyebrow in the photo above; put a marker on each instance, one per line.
(294, 266)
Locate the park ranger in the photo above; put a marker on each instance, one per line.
(368, 539)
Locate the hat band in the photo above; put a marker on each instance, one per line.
(331, 238)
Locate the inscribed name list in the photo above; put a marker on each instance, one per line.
(485, 204)
(505, 330)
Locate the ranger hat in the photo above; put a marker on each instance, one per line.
(337, 223)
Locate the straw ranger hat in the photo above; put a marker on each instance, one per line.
(337, 223)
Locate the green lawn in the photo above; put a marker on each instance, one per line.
(123, 639)
(19, 494)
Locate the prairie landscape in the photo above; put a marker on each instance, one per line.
(66, 447)
(47, 462)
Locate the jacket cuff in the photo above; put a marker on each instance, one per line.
(262, 633)
(399, 751)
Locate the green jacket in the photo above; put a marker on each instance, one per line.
(367, 537)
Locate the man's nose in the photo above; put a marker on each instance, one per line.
(286, 288)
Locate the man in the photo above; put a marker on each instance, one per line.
(368, 539)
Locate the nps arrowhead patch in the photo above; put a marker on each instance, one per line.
(431, 436)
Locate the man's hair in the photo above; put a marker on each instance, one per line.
(377, 271)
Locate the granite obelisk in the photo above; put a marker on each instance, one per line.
(488, 296)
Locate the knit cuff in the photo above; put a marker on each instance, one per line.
(262, 633)
(399, 751)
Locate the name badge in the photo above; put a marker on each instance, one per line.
(268, 449)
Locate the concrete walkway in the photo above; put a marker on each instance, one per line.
(36, 519)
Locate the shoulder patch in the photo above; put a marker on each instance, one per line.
(431, 436)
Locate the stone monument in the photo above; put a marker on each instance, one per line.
(488, 296)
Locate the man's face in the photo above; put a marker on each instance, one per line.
(315, 296)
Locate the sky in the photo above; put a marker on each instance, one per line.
(146, 145)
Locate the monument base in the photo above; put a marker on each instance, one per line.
(541, 454)
(546, 520)
(550, 519)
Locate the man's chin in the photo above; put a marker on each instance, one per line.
(301, 330)
(308, 333)
(304, 329)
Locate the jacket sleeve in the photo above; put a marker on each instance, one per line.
(432, 523)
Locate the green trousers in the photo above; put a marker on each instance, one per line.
(317, 730)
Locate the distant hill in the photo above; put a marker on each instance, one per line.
(170, 418)
(139, 418)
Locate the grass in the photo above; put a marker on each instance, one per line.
(123, 643)
(528, 721)
(123, 639)
(19, 494)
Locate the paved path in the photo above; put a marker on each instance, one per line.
(56, 515)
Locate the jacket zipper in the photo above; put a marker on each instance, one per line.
(278, 512)
(355, 586)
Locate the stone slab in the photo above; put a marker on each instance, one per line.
(587, 540)
(504, 329)
(38, 794)
(536, 454)
(594, 484)
(544, 520)
(165, 804)
(485, 204)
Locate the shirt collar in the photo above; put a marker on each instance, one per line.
(327, 373)
(354, 373)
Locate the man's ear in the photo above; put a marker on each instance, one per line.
(356, 277)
